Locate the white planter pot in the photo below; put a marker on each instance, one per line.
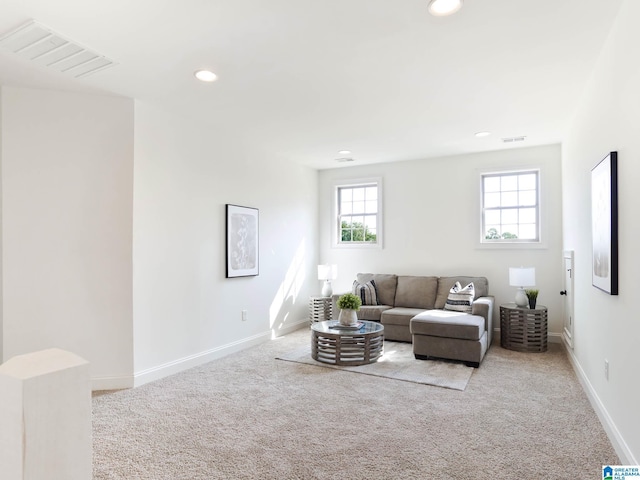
(348, 317)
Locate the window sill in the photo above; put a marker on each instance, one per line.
(366, 246)
(512, 246)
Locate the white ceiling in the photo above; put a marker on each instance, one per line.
(303, 79)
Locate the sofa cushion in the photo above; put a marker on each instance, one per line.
(416, 292)
(460, 298)
(444, 323)
(399, 316)
(366, 292)
(372, 313)
(480, 284)
(385, 286)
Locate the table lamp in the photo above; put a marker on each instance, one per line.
(522, 277)
(327, 273)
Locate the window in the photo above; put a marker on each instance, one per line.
(358, 213)
(510, 207)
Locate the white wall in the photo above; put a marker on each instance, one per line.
(608, 326)
(431, 221)
(92, 258)
(67, 188)
(185, 310)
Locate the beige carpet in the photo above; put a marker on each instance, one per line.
(399, 363)
(250, 416)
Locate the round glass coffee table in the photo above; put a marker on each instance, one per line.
(332, 343)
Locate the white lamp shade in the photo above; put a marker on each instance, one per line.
(522, 277)
(327, 272)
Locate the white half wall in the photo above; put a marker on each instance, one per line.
(67, 193)
(1, 255)
(608, 327)
(45, 413)
(431, 224)
(185, 310)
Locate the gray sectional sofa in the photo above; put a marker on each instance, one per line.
(412, 309)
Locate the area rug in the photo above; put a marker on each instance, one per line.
(398, 363)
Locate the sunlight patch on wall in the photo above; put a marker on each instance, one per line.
(288, 291)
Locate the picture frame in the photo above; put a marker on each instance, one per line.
(242, 241)
(604, 224)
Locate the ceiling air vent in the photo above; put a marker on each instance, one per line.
(344, 160)
(513, 139)
(47, 48)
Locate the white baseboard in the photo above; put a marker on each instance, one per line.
(620, 446)
(290, 328)
(111, 383)
(182, 364)
(554, 338)
(185, 363)
(551, 337)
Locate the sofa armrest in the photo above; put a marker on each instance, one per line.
(483, 306)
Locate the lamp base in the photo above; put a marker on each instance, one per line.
(327, 291)
(521, 298)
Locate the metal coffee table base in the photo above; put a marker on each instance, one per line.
(347, 347)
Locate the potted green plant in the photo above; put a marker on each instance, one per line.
(348, 304)
(532, 295)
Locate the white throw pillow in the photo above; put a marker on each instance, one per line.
(460, 299)
(367, 292)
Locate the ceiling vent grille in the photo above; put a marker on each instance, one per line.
(513, 139)
(47, 48)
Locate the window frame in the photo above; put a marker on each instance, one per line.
(512, 242)
(336, 231)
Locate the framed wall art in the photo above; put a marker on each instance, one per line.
(242, 241)
(604, 224)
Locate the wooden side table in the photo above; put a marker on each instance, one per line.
(319, 309)
(523, 329)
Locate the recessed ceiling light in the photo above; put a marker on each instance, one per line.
(205, 75)
(442, 8)
(482, 134)
(344, 152)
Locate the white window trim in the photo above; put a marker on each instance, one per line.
(334, 213)
(541, 243)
